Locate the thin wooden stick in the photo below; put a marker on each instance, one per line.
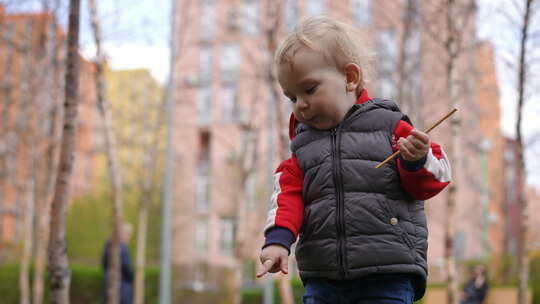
(389, 158)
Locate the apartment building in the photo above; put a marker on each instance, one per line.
(31, 61)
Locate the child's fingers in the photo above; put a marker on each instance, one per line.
(404, 149)
(423, 137)
(416, 143)
(284, 265)
(266, 266)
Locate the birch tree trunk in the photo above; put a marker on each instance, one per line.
(113, 270)
(149, 168)
(28, 218)
(141, 248)
(407, 21)
(409, 64)
(42, 233)
(26, 134)
(246, 166)
(59, 273)
(458, 15)
(274, 18)
(50, 96)
(452, 295)
(523, 262)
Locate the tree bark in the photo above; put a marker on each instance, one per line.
(113, 270)
(59, 273)
(147, 185)
(245, 166)
(453, 49)
(46, 177)
(26, 158)
(409, 63)
(247, 161)
(404, 58)
(523, 262)
(275, 16)
(141, 249)
(28, 190)
(452, 295)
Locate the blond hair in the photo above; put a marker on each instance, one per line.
(339, 42)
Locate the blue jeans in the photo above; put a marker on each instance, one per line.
(375, 289)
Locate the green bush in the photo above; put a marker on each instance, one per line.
(535, 277)
(86, 284)
(89, 226)
(252, 296)
(9, 286)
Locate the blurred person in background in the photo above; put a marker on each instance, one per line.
(126, 268)
(475, 290)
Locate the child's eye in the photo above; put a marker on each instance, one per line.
(311, 90)
(292, 99)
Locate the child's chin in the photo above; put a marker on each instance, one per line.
(322, 125)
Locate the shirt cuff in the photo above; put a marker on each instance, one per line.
(279, 236)
(413, 165)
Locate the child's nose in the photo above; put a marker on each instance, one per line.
(301, 104)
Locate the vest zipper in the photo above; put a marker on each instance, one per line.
(338, 182)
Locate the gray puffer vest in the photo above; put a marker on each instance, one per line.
(358, 220)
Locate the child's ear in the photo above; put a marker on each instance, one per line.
(353, 76)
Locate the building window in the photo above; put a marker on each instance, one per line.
(315, 7)
(203, 174)
(251, 17)
(9, 148)
(203, 188)
(226, 237)
(412, 9)
(363, 12)
(387, 47)
(291, 13)
(205, 62)
(201, 236)
(233, 19)
(460, 243)
(229, 103)
(230, 63)
(208, 23)
(204, 105)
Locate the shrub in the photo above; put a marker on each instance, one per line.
(86, 284)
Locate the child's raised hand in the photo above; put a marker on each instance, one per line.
(273, 259)
(414, 146)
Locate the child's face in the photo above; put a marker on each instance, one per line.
(317, 89)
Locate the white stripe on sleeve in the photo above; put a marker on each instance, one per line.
(440, 168)
(271, 217)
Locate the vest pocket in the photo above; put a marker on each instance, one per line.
(393, 220)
